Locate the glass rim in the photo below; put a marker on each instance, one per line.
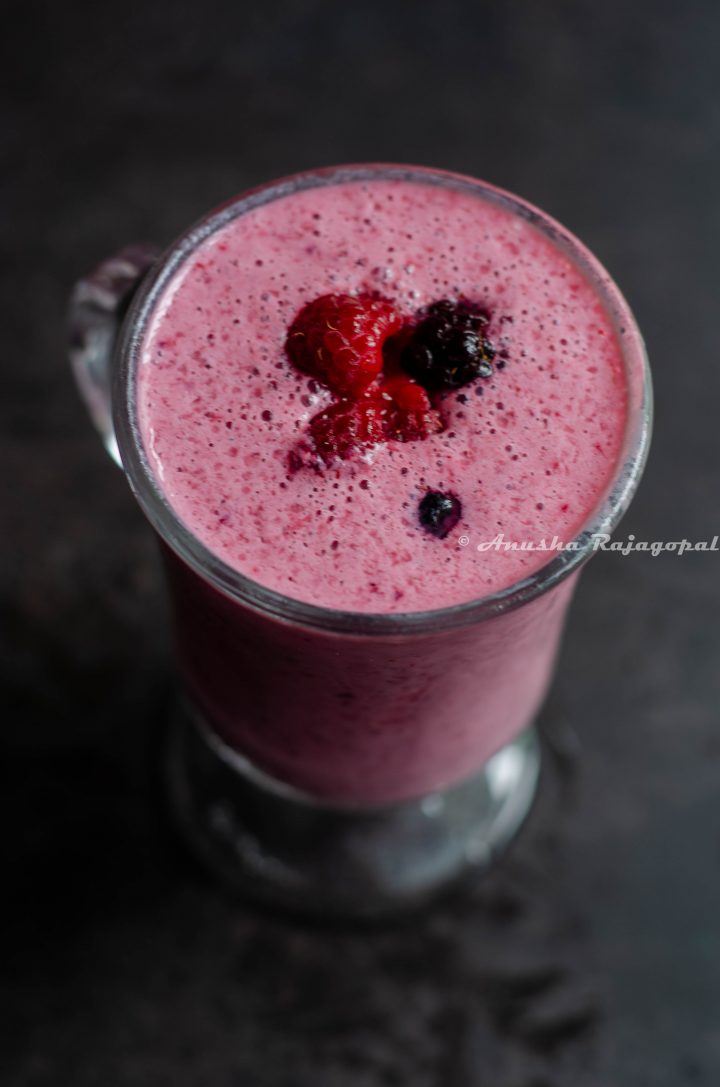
(603, 518)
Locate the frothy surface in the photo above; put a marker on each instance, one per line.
(220, 406)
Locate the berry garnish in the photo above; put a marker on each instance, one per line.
(348, 427)
(338, 338)
(410, 416)
(383, 371)
(448, 348)
(439, 513)
(398, 409)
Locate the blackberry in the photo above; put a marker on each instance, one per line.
(448, 348)
(439, 513)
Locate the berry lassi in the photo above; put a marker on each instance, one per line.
(345, 387)
(527, 451)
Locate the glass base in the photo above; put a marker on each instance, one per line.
(272, 843)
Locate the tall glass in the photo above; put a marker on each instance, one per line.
(332, 761)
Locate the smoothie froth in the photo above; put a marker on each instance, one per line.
(528, 452)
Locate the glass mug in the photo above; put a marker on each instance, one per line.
(295, 718)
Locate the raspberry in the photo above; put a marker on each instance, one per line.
(338, 338)
(398, 409)
(439, 513)
(348, 427)
(410, 416)
(448, 348)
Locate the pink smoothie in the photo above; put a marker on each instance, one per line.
(374, 717)
(221, 406)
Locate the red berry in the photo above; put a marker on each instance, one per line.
(410, 417)
(338, 338)
(348, 427)
(398, 409)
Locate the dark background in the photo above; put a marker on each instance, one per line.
(591, 957)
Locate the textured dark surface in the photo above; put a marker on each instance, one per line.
(591, 958)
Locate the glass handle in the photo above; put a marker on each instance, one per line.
(98, 304)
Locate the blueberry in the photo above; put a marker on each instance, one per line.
(448, 348)
(439, 513)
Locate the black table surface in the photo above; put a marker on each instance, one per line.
(591, 956)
